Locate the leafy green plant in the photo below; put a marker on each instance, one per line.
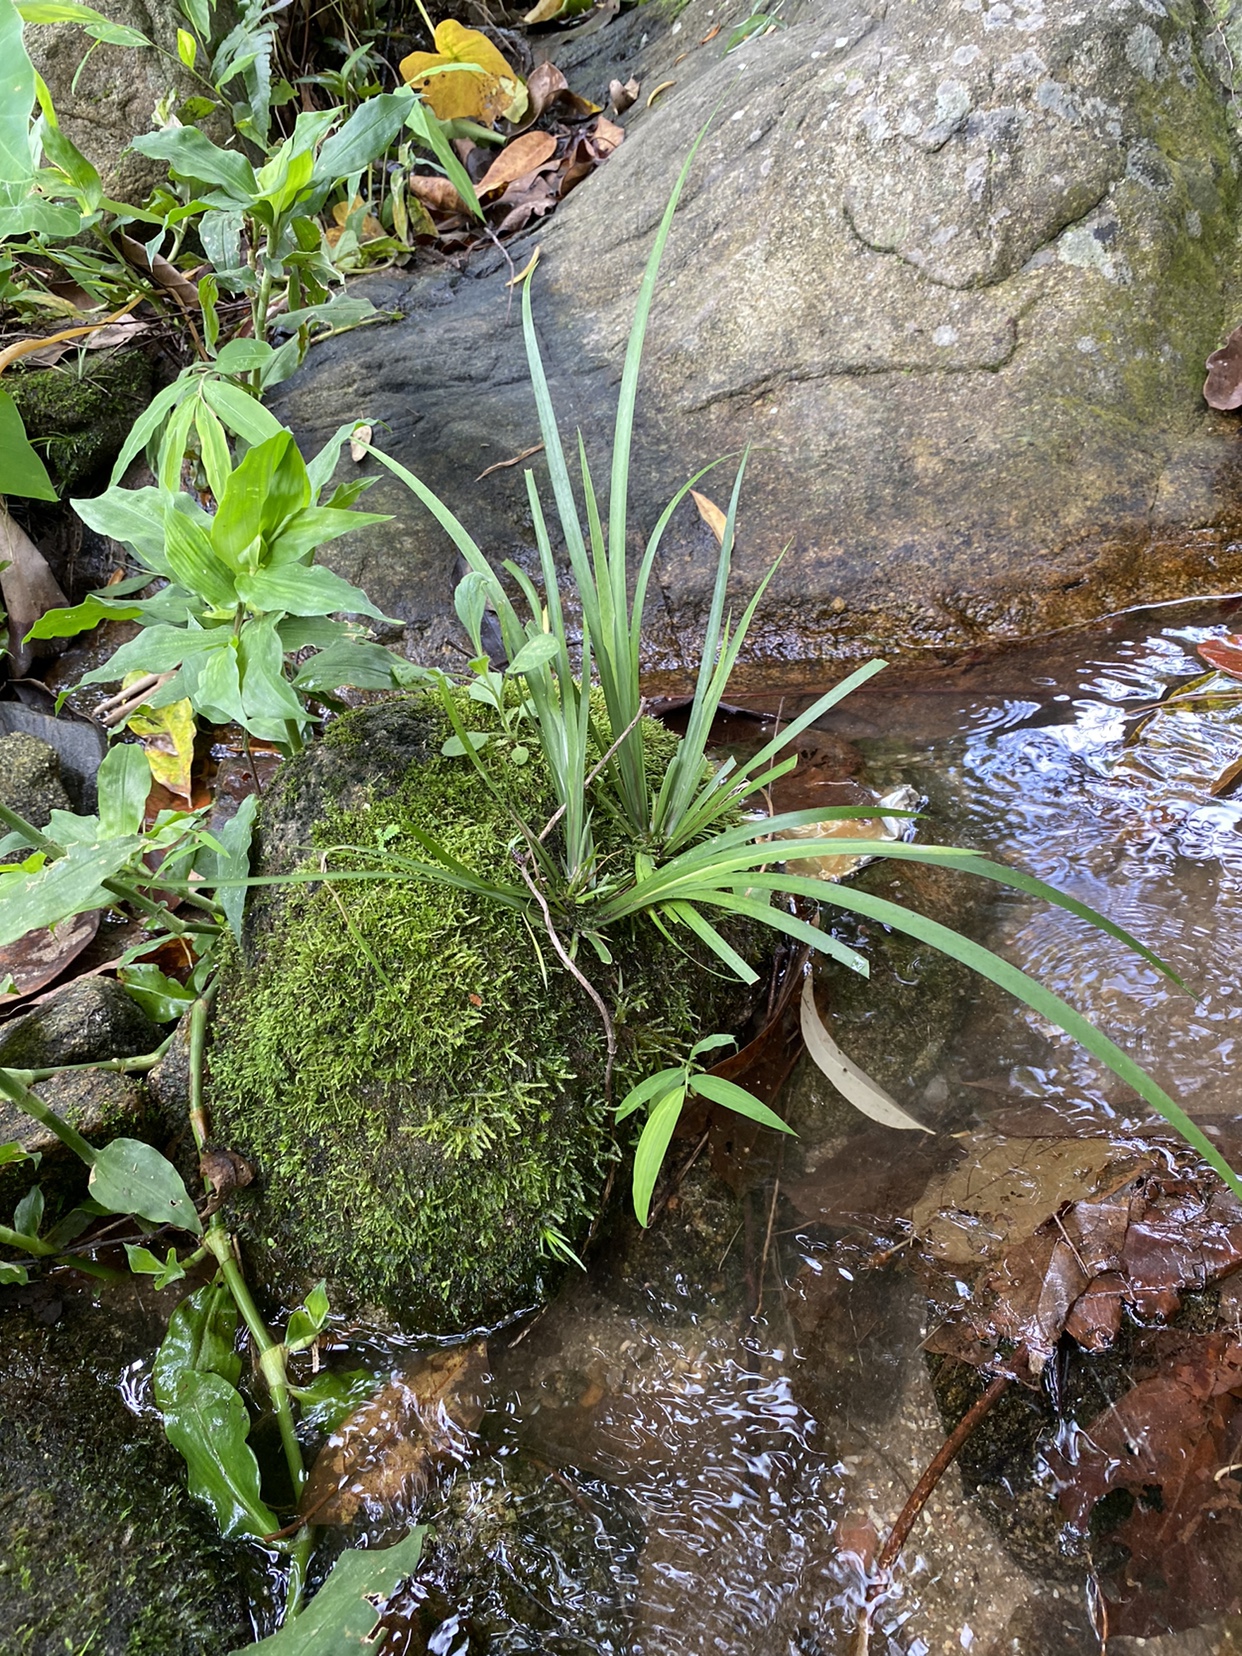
(665, 1095)
(243, 592)
(695, 856)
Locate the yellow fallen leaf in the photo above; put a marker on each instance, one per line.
(486, 90)
(371, 230)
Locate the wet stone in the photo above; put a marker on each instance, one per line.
(85, 1023)
(101, 1549)
(30, 781)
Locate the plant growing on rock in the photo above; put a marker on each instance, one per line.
(242, 591)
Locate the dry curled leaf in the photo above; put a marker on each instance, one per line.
(225, 1170)
(161, 271)
(712, 516)
(385, 1455)
(435, 192)
(359, 438)
(1223, 387)
(623, 95)
(854, 1085)
(548, 91)
(524, 155)
(29, 590)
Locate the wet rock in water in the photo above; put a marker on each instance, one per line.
(101, 1549)
(89, 1020)
(30, 781)
(417, 1081)
(955, 272)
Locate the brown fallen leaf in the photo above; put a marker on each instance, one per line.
(1172, 1444)
(385, 1455)
(712, 516)
(435, 192)
(623, 95)
(1157, 1225)
(370, 230)
(29, 590)
(1225, 781)
(1223, 387)
(34, 960)
(225, 1170)
(161, 271)
(664, 86)
(711, 34)
(606, 135)
(1223, 653)
(548, 91)
(522, 156)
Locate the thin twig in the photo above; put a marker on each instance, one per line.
(574, 971)
(560, 812)
(767, 1235)
(503, 465)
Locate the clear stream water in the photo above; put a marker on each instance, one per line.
(706, 1481)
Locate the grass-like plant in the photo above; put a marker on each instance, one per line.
(696, 857)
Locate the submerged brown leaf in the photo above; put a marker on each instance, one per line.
(1170, 1447)
(385, 1455)
(1053, 1236)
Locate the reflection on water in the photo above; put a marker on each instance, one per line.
(729, 1473)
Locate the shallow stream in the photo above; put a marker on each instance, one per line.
(678, 1465)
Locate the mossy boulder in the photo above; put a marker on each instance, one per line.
(79, 413)
(100, 1547)
(416, 1077)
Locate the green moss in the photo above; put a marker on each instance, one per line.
(100, 1547)
(417, 1077)
(79, 413)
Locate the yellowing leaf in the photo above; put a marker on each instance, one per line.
(485, 91)
(167, 734)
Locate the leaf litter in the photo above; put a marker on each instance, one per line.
(382, 1461)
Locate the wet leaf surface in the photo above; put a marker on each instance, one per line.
(35, 960)
(384, 1457)
(1026, 1240)
(1164, 1458)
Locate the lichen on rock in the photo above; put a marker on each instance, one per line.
(416, 1076)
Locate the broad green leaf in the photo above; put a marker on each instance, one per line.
(266, 489)
(337, 314)
(427, 129)
(213, 445)
(217, 684)
(21, 470)
(28, 1215)
(94, 22)
(159, 650)
(66, 156)
(309, 1321)
(135, 517)
(361, 666)
(241, 412)
(206, 1421)
(13, 1275)
(142, 431)
(161, 998)
(315, 527)
(67, 623)
(737, 1099)
(124, 781)
(646, 1090)
(142, 1262)
(193, 562)
(364, 137)
(17, 97)
(300, 589)
(535, 653)
(14, 1152)
(71, 885)
(201, 1335)
(25, 214)
(131, 1177)
(342, 1614)
(265, 692)
(652, 1144)
(192, 155)
(187, 48)
(242, 356)
(328, 1398)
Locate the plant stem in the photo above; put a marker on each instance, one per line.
(271, 1352)
(119, 1066)
(10, 1238)
(14, 1086)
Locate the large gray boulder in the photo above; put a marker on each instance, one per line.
(952, 268)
